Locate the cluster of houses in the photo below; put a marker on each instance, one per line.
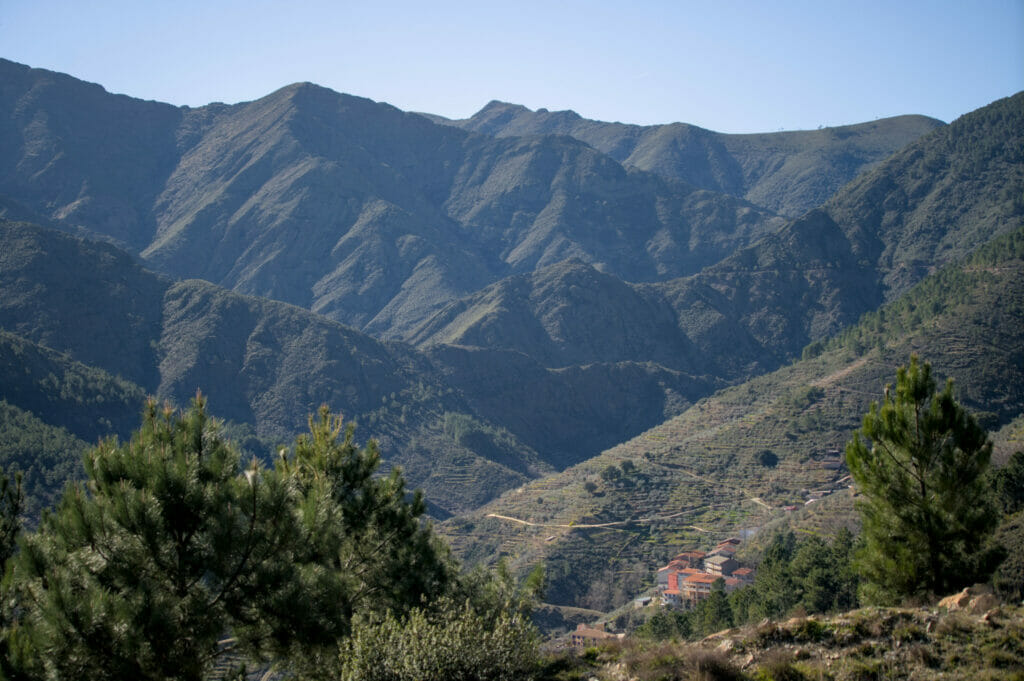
(683, 583)
(688, 577)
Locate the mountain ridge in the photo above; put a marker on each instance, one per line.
(788, 172)
(557, 300)
(299, 195)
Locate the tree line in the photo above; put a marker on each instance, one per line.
(174, 558)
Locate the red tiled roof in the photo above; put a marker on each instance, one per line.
(701, 578)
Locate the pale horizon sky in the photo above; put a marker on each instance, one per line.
(731, 67)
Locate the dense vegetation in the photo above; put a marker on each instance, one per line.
(174, 559)
(810, 575)
(47, 457)
(929, 506)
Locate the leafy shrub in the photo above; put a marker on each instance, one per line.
(668, 663)
(778, 666)
(452, 643)
(810, 630)
(909, 632)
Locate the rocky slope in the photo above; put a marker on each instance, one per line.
(981, 639)
(788, 172)
(347, 207)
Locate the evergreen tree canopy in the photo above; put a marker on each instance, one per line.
(362, 549)
(925, 504)
(170, 555)
(11, 502)
(142, 569)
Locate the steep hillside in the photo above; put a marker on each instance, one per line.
(929, 204)
(88, 402)
(90, 300)
(562, 315)
(788, 172)
(559, 301)
(571, 413)
(76, 154)
(934, 201)
(701, 476)
(749, 314)
(261, 362)
(354, 209)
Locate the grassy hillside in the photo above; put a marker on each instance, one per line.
(700, 476)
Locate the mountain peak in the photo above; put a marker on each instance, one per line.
(498, 105)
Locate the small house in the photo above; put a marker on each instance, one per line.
(720, 565)
(585, 636)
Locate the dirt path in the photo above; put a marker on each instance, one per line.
(611, 524)
(834, 377)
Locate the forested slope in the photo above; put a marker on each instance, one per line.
(701, 476)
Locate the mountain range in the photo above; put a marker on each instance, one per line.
(787, 172)
(498, 300)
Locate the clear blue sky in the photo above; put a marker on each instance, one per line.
(731, 66)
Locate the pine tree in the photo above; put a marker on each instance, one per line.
(713, 613)
(11, 503)
(925, 505)
(364, 548)
(143, 569)
(11, 500)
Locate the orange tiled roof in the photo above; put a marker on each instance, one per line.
(701, 578)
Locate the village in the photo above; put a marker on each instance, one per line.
(684, 582)
(688, 578)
